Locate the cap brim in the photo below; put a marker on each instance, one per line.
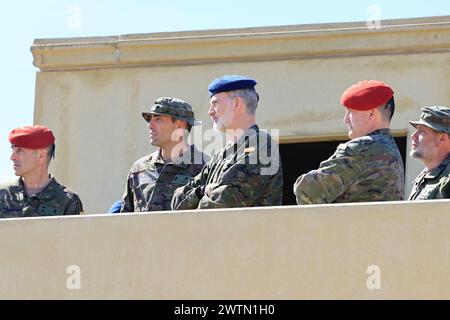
(416, 123)
(147, 116)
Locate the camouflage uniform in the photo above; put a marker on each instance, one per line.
(54, 200)
(434, 184)
(240, 176)
(368, 168)
(151, 182)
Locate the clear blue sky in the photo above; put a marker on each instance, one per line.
(23, 21)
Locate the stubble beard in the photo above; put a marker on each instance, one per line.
(416, 153)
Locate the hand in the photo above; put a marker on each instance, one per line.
(209, 188)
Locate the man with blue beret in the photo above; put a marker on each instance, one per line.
(369, 167)
(35, 193)
(153, 178)
(240, 174)
(431, 145)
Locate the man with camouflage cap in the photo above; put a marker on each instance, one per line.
(367, 168)
(153, 178)
(35, 193)
(239, 175)
(431, 145)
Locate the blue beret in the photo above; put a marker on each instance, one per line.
(230, 83)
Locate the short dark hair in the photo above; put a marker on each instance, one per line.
(188, 125)
(51, 152)
(388, 109)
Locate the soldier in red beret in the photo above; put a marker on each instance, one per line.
(369, 167)
(35, 193)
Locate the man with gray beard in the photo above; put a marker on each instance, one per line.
(247, 171)
(431, 145)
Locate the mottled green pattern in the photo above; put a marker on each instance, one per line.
(434, 184)
(54, 200)
(174, 107)
(239, 176)
(151, 182)
(369, 168)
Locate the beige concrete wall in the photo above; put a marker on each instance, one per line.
(320, 252)
(91, 91)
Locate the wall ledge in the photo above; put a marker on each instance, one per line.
(430, 34)
(292, 252)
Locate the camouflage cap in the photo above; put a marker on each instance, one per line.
(436, 118)
(176, 108)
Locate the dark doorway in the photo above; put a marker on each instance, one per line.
(299, 158)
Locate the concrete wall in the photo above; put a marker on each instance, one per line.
(320, 252)
(91, 90)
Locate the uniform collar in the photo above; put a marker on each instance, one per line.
(184, 161)
(380, 131)
(156, 157)
(249, 133)
(438, 170)
(46, 193)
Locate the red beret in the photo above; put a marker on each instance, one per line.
(366, 95)
(32, 137)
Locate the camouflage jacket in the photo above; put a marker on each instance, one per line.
(434, 184)
(151, 182)
(369, 168)
(54, 200)
(246, 173)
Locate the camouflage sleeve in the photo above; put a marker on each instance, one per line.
(75, 206)
(185, 198)
(444, 190)
(246, 180)
(331, 180)
(10, 213)
(127, 199)
(3, 207)
(239, 187)
(7, 212)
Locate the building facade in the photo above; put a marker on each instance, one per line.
(91, 91)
